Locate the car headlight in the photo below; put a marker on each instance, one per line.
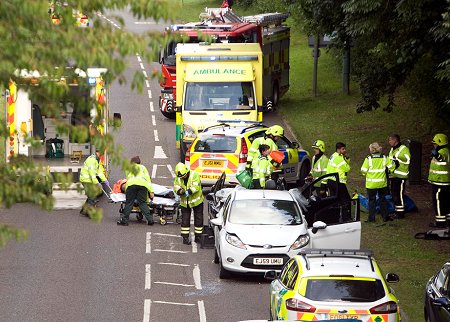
(189, 132)
(167, 96)
(300, 242)
(234, 240)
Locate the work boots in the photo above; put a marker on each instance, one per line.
(186, 240)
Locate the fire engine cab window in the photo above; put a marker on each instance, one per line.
(344, 290)
(222, 144)
(219, 96)
(264, 212)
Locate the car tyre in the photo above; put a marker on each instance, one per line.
(305, 169)
(223, 273)
(216, 256)
(169, 115)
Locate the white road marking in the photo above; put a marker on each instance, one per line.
(196, 274)
(194, 244)
(174, 264)
(144, 22)
(174, 303)
(145, 74)
(148, 248)
(153, 120)
(168, 235)
(174, 284)
(170, 251)
(149, 93)
(151, 107)
(155, 166)
(148, 282)
(159, 153)
(155, 132)
(142, 66)
(147, 304)
(171, 171)
(147, 83)
(201, 311)
(138, 58)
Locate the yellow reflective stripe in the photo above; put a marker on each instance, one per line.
(375, 180)
(376, 170)
(401, 172)
(439, 171)
(441, 163)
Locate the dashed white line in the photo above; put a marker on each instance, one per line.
(153, 120)
(142, 66)
(144, 22)
(145, 74)
(169, 167)
(138, 58)
(174, 284)
(147, 83)
(174, 264)
(155, 132)
(201, 311)
(148, 282)
(194, 244)
(147, 304)
(155, 166)
(148, 248)
(168, 235)
(159, 153)
(170, 251)
(196, 274)
(174, 303)
(149, 93)
(151, 107)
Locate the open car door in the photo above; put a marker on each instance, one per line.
(329, 225)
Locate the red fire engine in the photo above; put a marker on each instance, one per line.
(223, 25)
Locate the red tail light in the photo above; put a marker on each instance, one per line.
(244, 151)
(385, 308)
(299, 306)
(187, 157)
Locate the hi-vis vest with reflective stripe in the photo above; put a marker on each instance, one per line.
(338, 164)
(194, 184)
(253, 152)
(139, 178)
(319, 168)
(261, 169)
(374, 168)
(403, 156)
(91, 169)
(440, 168)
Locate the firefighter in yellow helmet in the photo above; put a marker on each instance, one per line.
(188, 186)
(439, 177)
(270, 138)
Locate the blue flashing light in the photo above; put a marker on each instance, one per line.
(92, 81)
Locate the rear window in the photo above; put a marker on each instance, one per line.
(264, 212)
(344, 290)
(216, 143)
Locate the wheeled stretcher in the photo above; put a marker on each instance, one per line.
(165, 205)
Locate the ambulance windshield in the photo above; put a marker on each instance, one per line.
(219, 96)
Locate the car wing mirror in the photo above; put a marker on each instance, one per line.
(295, 145)
(210, 196)
(177, 108)
(392, 278)
(270, 275)
(318, 225)
(216, 221)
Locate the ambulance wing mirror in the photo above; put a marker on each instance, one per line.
(117, 119)
(177, 109)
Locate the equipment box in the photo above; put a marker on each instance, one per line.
(54, 148)
(85, 148)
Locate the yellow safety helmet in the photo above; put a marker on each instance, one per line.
(181, 169)
(275, 130)
(319, 144)
(440, 139)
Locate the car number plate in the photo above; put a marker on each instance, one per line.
(339, 316)
(267, 261)
(212, 163)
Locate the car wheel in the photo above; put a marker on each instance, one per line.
(223, 273)
(216, 256)
(169, 115)
(305, 169)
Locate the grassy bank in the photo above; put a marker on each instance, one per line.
(332, 117)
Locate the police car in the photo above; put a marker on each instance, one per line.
(326, 284)
(224, 148)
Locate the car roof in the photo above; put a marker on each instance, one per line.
(232, 129)
(245, 194)
(338, 265)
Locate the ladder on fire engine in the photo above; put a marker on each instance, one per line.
(266, 19)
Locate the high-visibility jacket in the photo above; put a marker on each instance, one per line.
(374, 168)
(403, 156)
(139, 177)
(91, 169)
(440, 168)
(319, 168)
(194, 186)
(253, 152)
(338, 163)
(262, 168)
